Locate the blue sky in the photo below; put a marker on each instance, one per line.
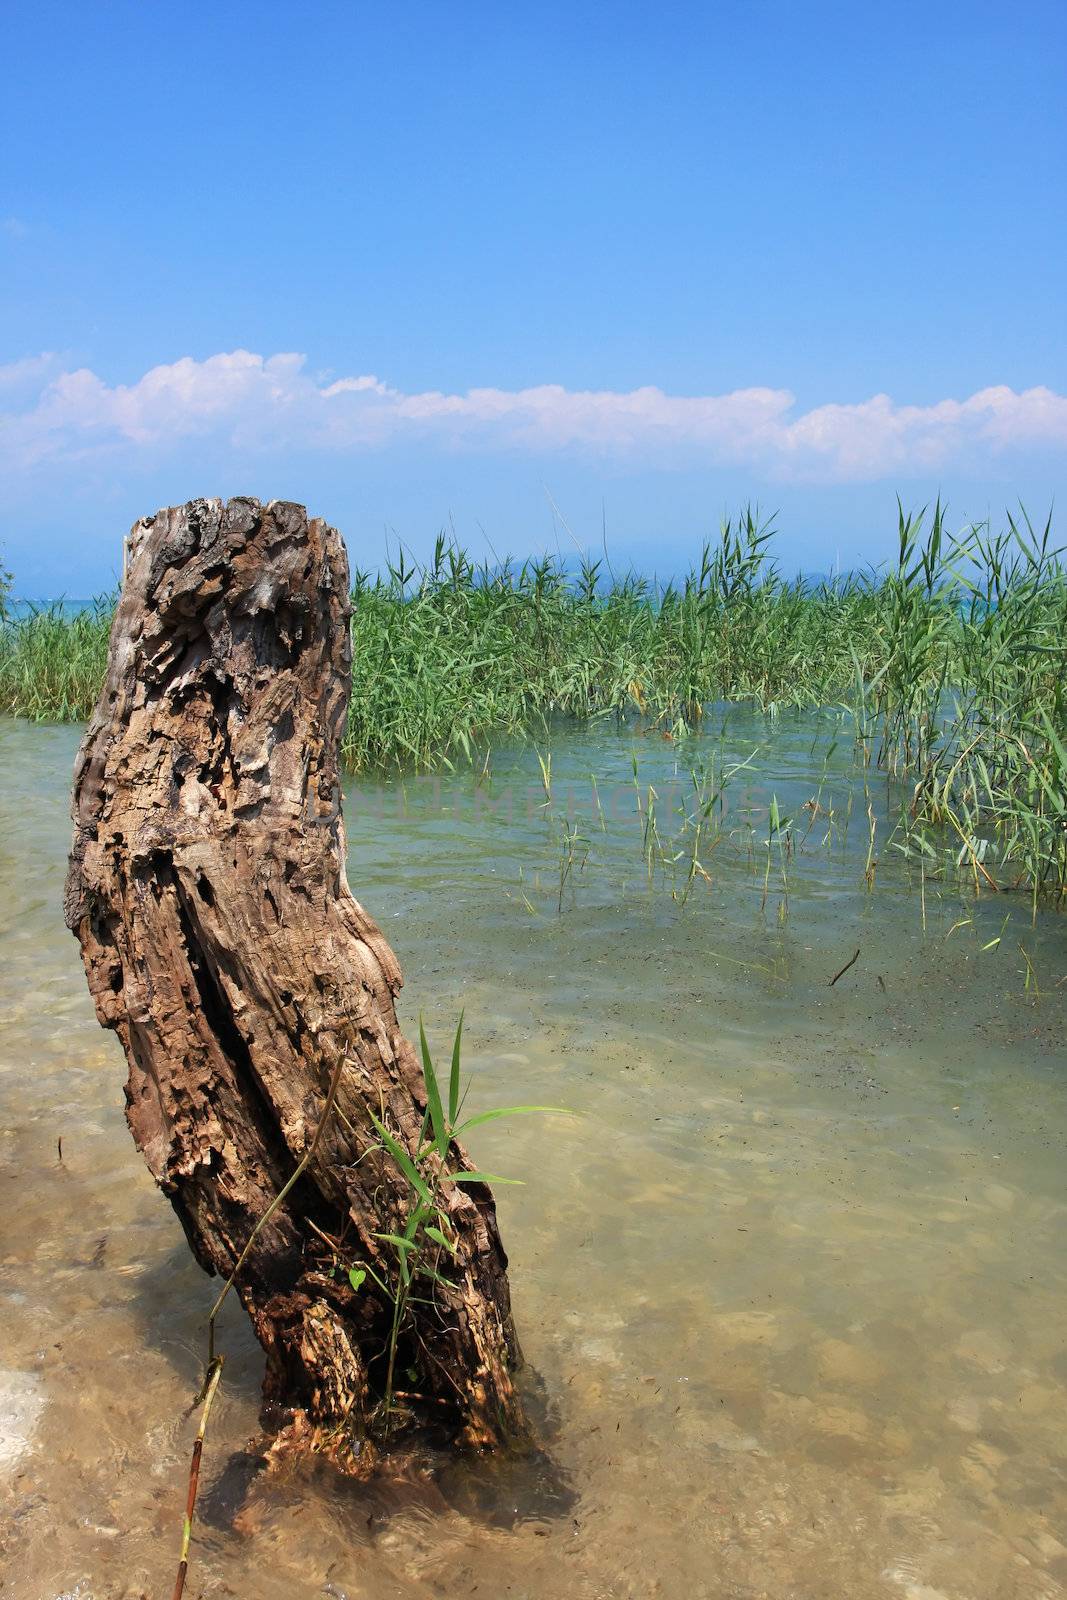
(529, 270)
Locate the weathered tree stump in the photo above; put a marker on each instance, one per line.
(221, 942)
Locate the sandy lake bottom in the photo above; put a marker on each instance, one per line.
(792, 1289)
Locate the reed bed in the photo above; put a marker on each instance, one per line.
(52, 660)
(951, 665)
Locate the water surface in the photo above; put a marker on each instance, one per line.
(792, 1290)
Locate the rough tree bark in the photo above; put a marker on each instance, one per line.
(222, 943)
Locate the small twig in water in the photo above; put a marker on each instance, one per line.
(849, 963)
(214, 1362)
(194, 1475)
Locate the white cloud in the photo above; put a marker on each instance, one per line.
(26, 378)
(251, 403)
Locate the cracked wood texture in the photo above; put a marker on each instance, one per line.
(222, 944)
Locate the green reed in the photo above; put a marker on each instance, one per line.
(52, 661)
(951, 664)
(420, 1253)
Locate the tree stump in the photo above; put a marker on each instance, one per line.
(221, 942)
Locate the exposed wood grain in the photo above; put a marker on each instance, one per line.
(221, 942)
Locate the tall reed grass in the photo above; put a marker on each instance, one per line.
(52, 659)
(952, 663)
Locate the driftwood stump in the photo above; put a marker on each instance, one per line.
(222, 943)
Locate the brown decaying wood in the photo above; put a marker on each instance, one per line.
(222, 943)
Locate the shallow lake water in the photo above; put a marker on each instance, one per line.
(792, 1289)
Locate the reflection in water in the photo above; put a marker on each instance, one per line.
(792, 1290)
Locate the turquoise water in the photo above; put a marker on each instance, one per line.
(792, 1288)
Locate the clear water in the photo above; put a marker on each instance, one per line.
(792, 1289)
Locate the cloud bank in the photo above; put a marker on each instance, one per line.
(251, 404)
